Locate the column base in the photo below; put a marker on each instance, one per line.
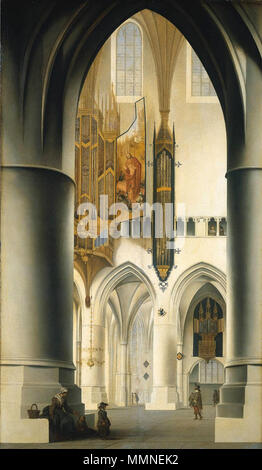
(163, 398)
(25, 431)
(92, 396)
(239, 415)
(238, 430)
(21, 386)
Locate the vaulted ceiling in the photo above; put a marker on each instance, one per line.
(166, 41)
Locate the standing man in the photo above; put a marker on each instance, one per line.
(103, 424)
(195, 401)
(215, 397)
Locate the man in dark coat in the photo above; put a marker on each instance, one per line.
(103, 423)
(215, 397)
(195, 401)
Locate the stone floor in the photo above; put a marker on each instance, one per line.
(135, 428)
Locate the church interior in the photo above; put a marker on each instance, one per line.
(128, 337)
(151, 113)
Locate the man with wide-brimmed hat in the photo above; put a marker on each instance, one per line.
(103, 423)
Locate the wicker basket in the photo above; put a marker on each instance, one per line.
(33, 413)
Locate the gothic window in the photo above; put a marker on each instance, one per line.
(201, 83)
(212, 227)
(211, 372)
(180, 227)
(190, 227)
(129, 60)
(223, 227)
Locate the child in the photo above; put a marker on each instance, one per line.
(103, 423)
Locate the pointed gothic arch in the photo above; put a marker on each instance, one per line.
(113, 277)
(208, 273)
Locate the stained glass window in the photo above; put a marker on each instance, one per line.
(201, 83)
(129, 61)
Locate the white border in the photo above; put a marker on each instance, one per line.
(124, 99)
(189, 97)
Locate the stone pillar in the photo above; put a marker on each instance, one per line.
(164, 395)
(37, 305)
(185, 390)
(93, 378)
(239, 414)
(218, 220)
(179, 365)
(123, 376)
(206, 223)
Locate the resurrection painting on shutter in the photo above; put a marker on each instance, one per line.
(131, 151)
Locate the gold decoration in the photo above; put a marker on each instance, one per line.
(215, 311)
(90, 362)
(97, 126)
(207, 347)
(163, 271)
(208, 326)
(201, 312)
(164, 156)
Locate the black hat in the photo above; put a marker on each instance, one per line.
(102, 404)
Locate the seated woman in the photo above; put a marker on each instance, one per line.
(61, 421)
(62, 424)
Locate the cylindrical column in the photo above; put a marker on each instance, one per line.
(244, 325)
(240, 396)
(37, 267)
(123, 375)
(240, 409)
(164, 395)
(179, 365)
(37, 287)
(93, 378)
(161, 355)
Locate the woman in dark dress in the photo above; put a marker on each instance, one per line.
(60, 415)
(62, 424)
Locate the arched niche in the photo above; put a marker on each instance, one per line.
(191, 326)
(126, 303)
